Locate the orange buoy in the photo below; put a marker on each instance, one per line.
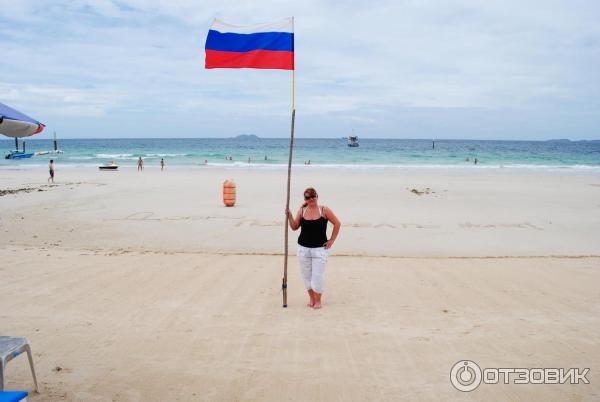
(229, 193)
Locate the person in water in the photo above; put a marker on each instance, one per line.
(313, 244)
(51, 169)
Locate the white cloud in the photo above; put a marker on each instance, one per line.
(357, 63)
(61, 101)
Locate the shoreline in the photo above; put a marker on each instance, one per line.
(241, 166)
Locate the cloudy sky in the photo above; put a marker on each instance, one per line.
(495, 69)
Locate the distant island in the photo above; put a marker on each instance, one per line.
(247, 137)
(559, 140)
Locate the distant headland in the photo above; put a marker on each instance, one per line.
(246, 137)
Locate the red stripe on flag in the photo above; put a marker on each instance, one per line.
(266, 59)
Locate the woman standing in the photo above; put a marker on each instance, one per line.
(313, 243)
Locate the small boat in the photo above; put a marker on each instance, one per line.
(353, 141)
(58, 151)
(18, 155)
(54, 151)
(109, 166)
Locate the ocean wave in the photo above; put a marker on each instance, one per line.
(239, 165)
(115, 156)
(409, 169)
(164, 155)
(136, 156)
(246, 165)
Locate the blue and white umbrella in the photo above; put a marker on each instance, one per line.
(16, 124)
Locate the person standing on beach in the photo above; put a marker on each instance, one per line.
(313, 244)
(140, 164)
(162, 164)
(51, 169)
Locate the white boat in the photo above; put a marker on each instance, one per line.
(54, 151)
(353, 141)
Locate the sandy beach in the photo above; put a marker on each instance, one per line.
(144, 287)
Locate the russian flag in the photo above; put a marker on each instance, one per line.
(267, 46)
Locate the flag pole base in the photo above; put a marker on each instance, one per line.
(284, 290)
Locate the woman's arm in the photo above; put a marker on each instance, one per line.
(336, 226)
(294, 222)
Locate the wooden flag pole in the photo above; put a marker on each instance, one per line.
(287, 201)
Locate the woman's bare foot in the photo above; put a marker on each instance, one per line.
(311, 296)
(317, 299)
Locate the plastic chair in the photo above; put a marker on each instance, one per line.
(13, 396)
(11, 347)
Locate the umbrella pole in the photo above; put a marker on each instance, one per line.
(17, 144)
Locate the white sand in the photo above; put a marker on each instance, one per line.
(143, 287)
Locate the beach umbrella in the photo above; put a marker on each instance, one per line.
(16, 124)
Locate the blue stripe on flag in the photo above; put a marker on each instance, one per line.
(234, 42)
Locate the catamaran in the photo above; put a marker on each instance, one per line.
(54, 151)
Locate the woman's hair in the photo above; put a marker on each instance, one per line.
(311, 192)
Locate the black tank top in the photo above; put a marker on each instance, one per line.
(313, 232)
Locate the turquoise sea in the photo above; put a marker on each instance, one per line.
(329, 152)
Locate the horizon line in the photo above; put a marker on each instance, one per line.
(297, 138)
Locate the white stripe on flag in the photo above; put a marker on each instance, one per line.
(285, 25)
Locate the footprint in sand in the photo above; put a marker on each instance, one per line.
(140, 216)
(384, 225)
(403, 225)
(524, 225)
(418, 226)
(254, 222)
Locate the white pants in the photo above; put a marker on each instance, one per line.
(312, 267)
